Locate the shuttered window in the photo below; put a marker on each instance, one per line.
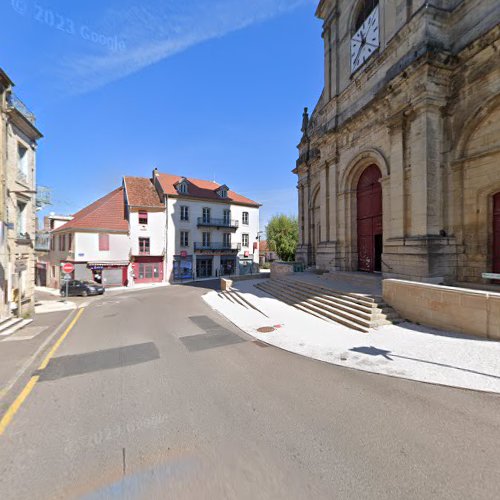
(103, 242)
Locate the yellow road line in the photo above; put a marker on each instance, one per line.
(60, 340)
(9, 415)
(14, 407)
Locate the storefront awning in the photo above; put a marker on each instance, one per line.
(104, 263)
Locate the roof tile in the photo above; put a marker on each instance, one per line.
(197, 188)
(107, 213)
(141, 192)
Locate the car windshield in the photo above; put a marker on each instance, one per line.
(93, 283)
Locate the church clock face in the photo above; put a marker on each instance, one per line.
(365, 41)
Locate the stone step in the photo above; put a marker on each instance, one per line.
(289, 297)
(354, 310)
(358, 316)
(357, 298)
(383, 313)
(13, 325)
(332, 299)
(9, 323)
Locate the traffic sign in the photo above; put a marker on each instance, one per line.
(68, 267)
(67, 277)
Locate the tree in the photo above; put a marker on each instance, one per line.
(283, 236)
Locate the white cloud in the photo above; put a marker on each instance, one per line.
(159, 29)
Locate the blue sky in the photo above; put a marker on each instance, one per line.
(202, 88)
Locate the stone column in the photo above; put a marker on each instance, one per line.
(324, 202)
(300, 216)
(396, 228)
(333, 211)
(426, 175)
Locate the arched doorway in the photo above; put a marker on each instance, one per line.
(496, 233)
(369, 220)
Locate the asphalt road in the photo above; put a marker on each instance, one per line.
(152, 395)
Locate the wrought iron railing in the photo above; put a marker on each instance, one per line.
(15, 103)
(217, 245)
(211, 222)
(42, 241)
(43, 197)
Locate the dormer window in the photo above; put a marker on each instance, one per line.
(182, 187)
(222, 191)
(143, 218)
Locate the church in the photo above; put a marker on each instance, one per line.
(399, 163)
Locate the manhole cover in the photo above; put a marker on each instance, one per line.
(265, 329)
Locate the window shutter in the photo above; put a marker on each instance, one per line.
(103, 242)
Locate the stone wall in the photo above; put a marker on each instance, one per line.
(280, 269)
(470, 312)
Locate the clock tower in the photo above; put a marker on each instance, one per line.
(365, 40)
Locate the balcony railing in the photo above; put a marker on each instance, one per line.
(217, 246)
(15, 103)
(211, 222)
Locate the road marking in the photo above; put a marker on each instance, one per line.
(60, 340)
(14, 407)
(5, 390)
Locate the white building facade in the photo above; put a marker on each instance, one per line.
(161, 229)
(210, 239)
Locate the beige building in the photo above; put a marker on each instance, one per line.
(399, 164)
(18, 142)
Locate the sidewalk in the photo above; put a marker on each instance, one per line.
(19, 351)
(405, 350)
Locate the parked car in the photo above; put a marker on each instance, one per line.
(83, 288)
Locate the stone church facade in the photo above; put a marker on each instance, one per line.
(399, 163)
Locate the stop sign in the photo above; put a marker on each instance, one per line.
(68, 267)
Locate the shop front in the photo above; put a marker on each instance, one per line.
(227, 266)
(246, 265)
(183, 267)
(148, 269)
(109, 273)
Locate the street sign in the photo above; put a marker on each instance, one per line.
(67, 277)
(68, 267)
(20, 266)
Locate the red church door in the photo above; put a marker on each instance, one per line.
(496, 233)
(369, 206)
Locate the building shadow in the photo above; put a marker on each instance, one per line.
(389, 355)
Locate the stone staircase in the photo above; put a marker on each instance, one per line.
(236, 298)
(10, 325)
(357, 311)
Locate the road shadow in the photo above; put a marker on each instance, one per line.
(107, 359)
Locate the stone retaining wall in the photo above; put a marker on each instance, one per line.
(472, 312)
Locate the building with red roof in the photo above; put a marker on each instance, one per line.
(163, 228)
(96, 241)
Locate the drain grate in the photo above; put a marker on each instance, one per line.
(266, 329)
